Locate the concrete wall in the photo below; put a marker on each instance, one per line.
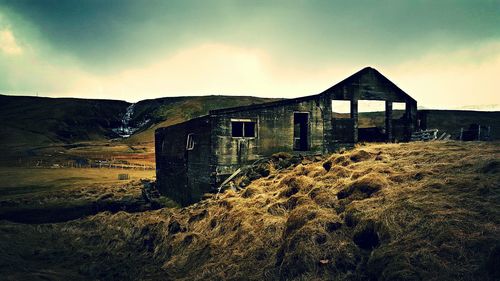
(274, 133)
(184, 175)
(451, 121)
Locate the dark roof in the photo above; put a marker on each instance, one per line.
(196, 119)
(262, 105)
(348, 80)
(356, 75)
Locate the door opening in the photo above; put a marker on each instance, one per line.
(301, 131)
(371, 121)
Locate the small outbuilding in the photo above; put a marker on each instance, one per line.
(194, 157)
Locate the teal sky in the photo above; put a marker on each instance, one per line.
(444, 53)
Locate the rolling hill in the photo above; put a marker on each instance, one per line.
(35, 121)
(56, 129)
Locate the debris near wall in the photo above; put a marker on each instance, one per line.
(429, 135)
(424, 135)
(475, 132)
(265, 167)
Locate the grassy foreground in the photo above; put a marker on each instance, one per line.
(417, 211)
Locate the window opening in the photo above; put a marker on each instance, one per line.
(242, 129)
(341, 109)
(190, 142)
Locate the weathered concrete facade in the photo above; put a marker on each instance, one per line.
(193, 157)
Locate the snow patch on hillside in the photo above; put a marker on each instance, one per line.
(126, 130)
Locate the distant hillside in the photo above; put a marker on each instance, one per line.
(34, 121)
(482, 107)
(41, 121)
(37, 127)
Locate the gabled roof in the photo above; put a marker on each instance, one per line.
(351, 79)
(368, 70)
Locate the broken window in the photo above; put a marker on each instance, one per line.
(341, 109)
(243, 129)
(190, 142)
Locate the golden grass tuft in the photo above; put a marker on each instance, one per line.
(292, 184)
(340, 172)
(359, 155)
(363, 187)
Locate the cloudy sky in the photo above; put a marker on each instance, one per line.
(446, 54)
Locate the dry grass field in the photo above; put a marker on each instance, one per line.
(415, 211)
(39, 195)
(21, 180)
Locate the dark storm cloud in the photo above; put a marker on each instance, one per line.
(104, 32)
(106, 35)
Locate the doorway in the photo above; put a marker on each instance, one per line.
(301, 131)
(372, 121)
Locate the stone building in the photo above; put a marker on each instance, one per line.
(194, 157)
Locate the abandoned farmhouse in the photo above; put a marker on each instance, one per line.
(194, 157)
